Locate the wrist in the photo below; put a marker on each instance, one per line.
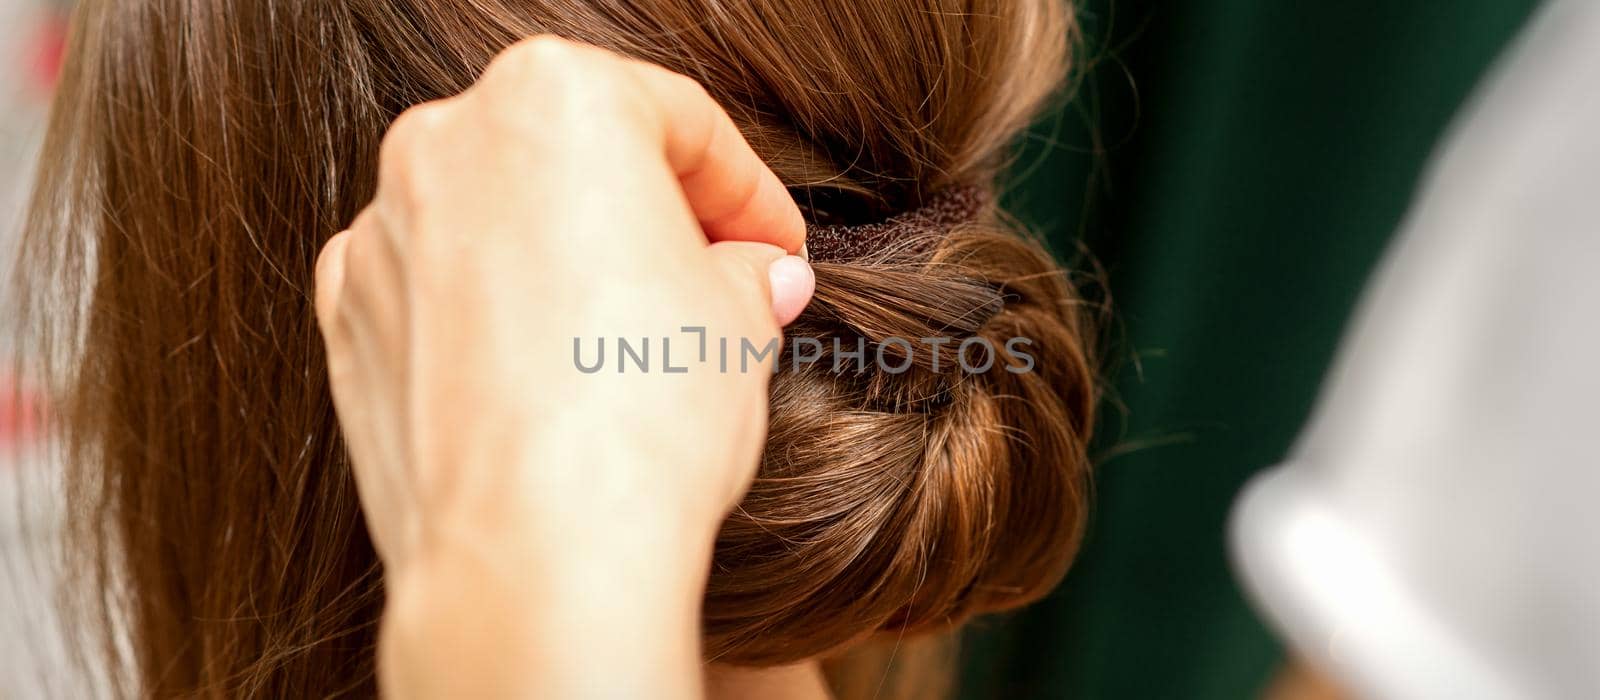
(452, 630)
(478, 612)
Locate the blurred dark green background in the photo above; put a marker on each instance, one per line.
(1237, 166)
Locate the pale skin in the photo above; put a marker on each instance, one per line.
(545, 532)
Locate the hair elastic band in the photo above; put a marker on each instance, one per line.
(919, 227)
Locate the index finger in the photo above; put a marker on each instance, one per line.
(732, 192)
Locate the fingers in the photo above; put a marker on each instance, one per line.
(785, 281)
(733, 193)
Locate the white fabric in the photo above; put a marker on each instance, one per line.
(1436, 531)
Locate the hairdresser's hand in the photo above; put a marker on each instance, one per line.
(569, 194)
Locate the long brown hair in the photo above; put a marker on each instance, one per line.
(200, 153)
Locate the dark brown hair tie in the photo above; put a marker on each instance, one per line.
(919, 227)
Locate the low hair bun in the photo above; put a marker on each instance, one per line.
(907, 501)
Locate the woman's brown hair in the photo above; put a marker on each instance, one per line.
(200, 153)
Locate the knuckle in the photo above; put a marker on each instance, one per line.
(325, 272)
(539, 53)
(354, 251)
(327, 304)
(374, 283)
(403, 154)
(547, 81)
(413, 128)
(689, 86)
(541, 64)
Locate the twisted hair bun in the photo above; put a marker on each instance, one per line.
(910, 501)
(894, 502)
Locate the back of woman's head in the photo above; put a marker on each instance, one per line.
(202, 151)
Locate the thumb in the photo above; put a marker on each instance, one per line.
(786, 280)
